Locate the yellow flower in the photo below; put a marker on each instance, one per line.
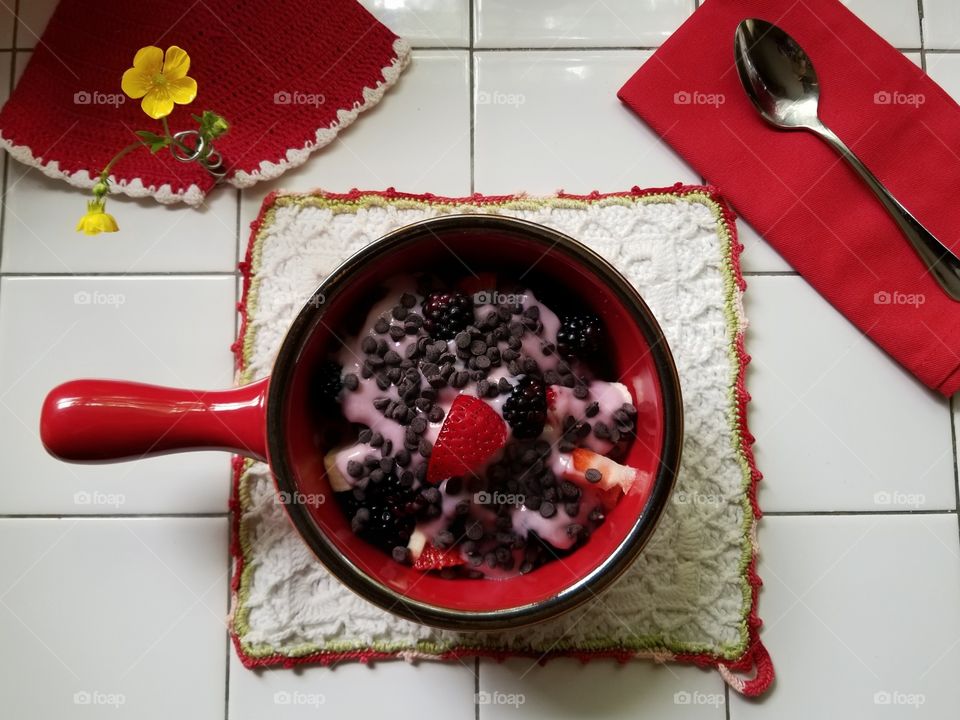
(160, 79)
(96, 220)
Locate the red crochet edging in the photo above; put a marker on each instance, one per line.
(755, 659)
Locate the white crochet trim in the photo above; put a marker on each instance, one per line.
(193, 195)
(685, 592)
(324, 136)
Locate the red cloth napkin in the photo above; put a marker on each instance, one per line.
(798, 193)
(286, 74)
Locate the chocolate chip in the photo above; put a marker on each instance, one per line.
(592, 409)
(397, 333)
(474, 530)
(437, 381)
(460, 379)
(368, 344)
(568, 381)
(580, 392)
(532, 312)
(422, 404)
(418, 425)
(629, 409)
(351, 382)
(530, 366)
(402, 458)
(392, 357)
(400, 553)
(435, 414)
(408, 300)
(387, 464)
(366, 370)
(381, 326)
(354, 469)
(551, 377)
(444, 539)
(482, 362)
(399, 312)
(601, 430)
(383, 382)
(377, 476)
(569, 491)
(572, 509)
(376, 440)
(387, 448)
(381, 403)
(425, 447)
(478, 347)
(576, 530)
(593, 475)
(547, 509)
(565, 446)
(482, 388)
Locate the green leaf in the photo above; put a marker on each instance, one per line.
(152, 140)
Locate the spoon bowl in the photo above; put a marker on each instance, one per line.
(777, 74)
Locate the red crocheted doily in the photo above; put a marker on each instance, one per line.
(287, 75)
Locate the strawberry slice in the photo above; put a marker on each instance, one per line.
(472, 433)
(433, 558)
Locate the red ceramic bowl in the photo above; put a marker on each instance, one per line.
(94, 420)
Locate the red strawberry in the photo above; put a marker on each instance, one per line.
(433, 558)
(472, 433)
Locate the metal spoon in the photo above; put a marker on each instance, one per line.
(779, 79)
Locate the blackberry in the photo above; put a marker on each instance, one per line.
(579, 336)
(447, 313)
(328, 381)
(383, 516)
(526, 408)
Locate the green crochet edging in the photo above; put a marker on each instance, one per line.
(735, 325)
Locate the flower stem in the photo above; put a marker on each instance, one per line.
(125, 151)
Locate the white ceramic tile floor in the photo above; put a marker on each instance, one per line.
(569, 23)
(862, 573)
(941, 24)
(425, 23)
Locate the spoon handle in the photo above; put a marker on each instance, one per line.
(940, 261)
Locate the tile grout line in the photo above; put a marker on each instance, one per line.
(855, 513)
(923, 53)
(956, 459)
(121, 274)
(471, 93)
(471, 59)
(6, 156)
(237, 290)
(112, 516)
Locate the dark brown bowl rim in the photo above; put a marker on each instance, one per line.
(417, 611)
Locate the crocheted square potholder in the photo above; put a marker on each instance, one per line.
(691, 595)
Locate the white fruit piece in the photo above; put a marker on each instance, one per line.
(338, 483)
(418, 540)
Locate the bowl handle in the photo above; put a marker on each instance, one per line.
(109, 420)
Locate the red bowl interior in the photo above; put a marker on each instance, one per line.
(449, 254)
